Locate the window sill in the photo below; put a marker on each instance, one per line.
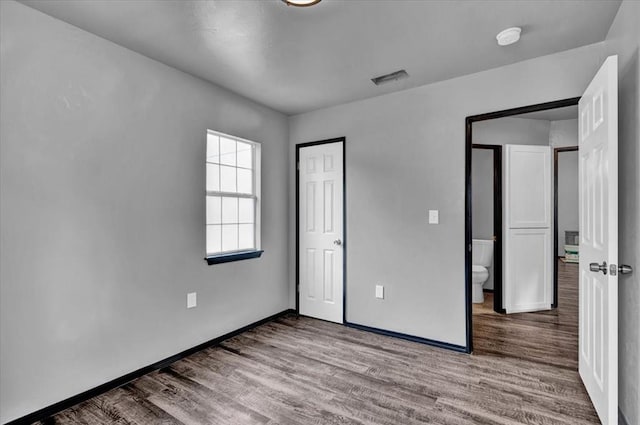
(234, 256)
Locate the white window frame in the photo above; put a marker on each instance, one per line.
(256, 196)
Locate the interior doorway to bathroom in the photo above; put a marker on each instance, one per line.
(551, 125)
(487, 213)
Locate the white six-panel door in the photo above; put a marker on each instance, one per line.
(598, 193)
(528, 267)
(321, 231)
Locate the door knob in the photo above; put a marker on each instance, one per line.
(625, 269)
(595, 267)
(337, 242)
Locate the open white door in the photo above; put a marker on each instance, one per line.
(320, 231)
(598, 188)
(528, 267)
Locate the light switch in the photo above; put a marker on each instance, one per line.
(192, 300)
(434, 217)
(379, 291)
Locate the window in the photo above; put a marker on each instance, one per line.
(233, 198)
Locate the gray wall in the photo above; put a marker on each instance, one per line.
(405, 155)
(482, 185)
(565, 133)
(102, 182)
(624, 40)
(501, 131)
(511, 131)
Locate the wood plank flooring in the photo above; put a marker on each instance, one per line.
(298, 370)
(549, 337)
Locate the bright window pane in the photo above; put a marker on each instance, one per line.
(213, 148)
(214, 239)
(245, 181)
(228, 179)
(227, 151)
(229, 210)
(245, 155)
(214, 210)
(245, 210)
(213, 177)
(245, 236)
(229, 237)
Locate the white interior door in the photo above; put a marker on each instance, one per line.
(528, 271)
(320, 231)
(598, 192)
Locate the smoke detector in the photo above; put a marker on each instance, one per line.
(509, 36)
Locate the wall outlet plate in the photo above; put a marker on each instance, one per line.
(434, 217)
(192, 300)
(379, 291)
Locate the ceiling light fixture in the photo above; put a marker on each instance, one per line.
(509, 36)
(301, 3)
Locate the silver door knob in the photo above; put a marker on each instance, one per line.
(625, 269)
(595, 267)
(337, 242)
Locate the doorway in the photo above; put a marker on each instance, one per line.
(487, 218)
(565, 210)
(470, 142)
(320, 235)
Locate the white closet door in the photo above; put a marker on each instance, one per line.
(528, 283)
(321, 231)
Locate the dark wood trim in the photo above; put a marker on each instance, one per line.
(497, 225)
(556, 254)
(426, 341)
(468, 196)
(344, 219)
(467, 202)
(525, 109)
(234, 256)
(44, 413)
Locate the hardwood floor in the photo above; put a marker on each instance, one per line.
(305, 371)
(549, 337)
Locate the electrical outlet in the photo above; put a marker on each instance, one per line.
(379, 291)
(434, 217)
(192, 300)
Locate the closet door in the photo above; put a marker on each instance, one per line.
(528, 284)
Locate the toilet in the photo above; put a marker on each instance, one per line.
(482, 256)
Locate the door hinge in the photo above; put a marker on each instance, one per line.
(298, 166)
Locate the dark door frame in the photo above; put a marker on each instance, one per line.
(344, 219)
(556, 151)
(467, 202)
(497, 224)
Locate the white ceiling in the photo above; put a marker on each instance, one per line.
(300, 59)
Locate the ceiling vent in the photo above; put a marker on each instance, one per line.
(394, 76)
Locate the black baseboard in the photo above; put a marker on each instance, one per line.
(490, 291)
(426, 341)
(43, 414)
